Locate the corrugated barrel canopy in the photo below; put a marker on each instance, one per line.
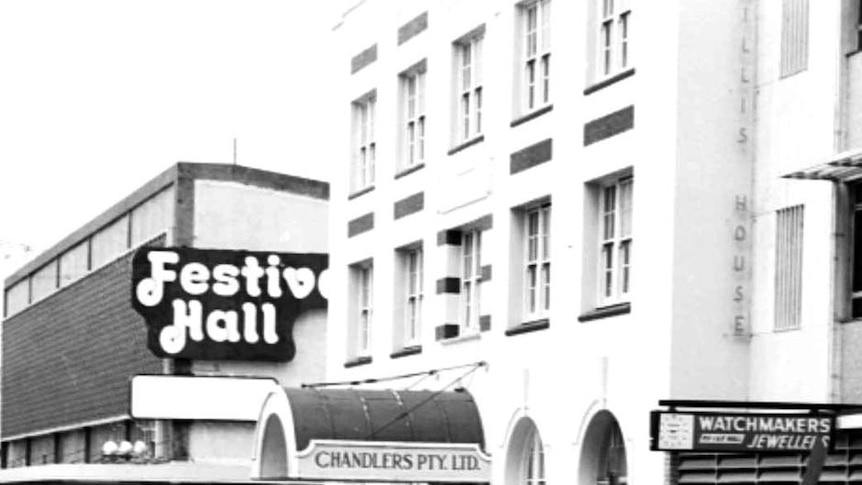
(844, 167)
(384, 415)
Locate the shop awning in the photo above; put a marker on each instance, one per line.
(844, 167)
(385, 435)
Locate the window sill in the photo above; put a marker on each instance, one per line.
(407, 171)
(605, 312)
(527, 327)
(411, 350)
(531, 115)
(473, 335)
(467, 144)
(609, 81)
(360, 192)
(357, 362)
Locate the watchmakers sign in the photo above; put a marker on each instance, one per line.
(210, 304)
(720, 432)
(392, 462)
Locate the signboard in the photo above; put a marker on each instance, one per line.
(209, 304)
(740, 432)
(392, 462)
(198, 397)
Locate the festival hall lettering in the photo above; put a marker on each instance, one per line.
(225, 304)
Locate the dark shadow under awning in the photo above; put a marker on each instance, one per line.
(844, 167)
(386, 435)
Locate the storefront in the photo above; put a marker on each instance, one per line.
(759, 443)
(370, 435)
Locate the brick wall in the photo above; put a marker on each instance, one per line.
(68, 359)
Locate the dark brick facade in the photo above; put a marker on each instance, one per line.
(360, 224)
(409, 205)
(363, 59)
(413, 28)
(531, 156)
(449, 284)
(609, 125)
(68, 358)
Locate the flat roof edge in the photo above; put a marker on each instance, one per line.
(179, 171)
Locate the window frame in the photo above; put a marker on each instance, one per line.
(468, 87)
(413, 266)
(536, 260)
(614, 252)
(613, 32)
(413, 116)
(470, 291)
(364, 142)
(535, 56)
(364, 308)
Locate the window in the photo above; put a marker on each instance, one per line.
(413, 268)
(615, 241)
(74, 263)
(109, 242)
(537, 264)
(536, 57)
(794, 37)
(364, 146)
(413, 136)
(17, 297)
(613, 37)
(533, 467)
(364, 311)
(856, 288)
(471, 279)
(44, 281)
(788, 267)
(468, 55)
(152, 217)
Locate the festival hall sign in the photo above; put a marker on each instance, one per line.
(739, 432)
(212, 304)
(392, 462)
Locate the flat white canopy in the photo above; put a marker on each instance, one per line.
(843, 167)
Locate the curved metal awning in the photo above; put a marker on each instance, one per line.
(386, 435)
(844, 167)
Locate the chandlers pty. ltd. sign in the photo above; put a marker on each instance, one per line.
(210, 304)
(738, 432)
(391, 462)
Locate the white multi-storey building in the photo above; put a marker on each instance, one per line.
(600, 200)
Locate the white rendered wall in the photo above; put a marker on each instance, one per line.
(230, 215)
(563, 375)
(797, 129)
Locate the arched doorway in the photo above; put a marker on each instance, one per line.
(603, 456)
(273, 458)
(525, 459)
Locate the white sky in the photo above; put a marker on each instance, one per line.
(99, 96)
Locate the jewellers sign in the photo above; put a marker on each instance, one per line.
(392, 462)
(732, 432)
(209, 304)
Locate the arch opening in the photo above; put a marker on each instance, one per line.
(273, 460)
(525, 457)
(603, 456)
